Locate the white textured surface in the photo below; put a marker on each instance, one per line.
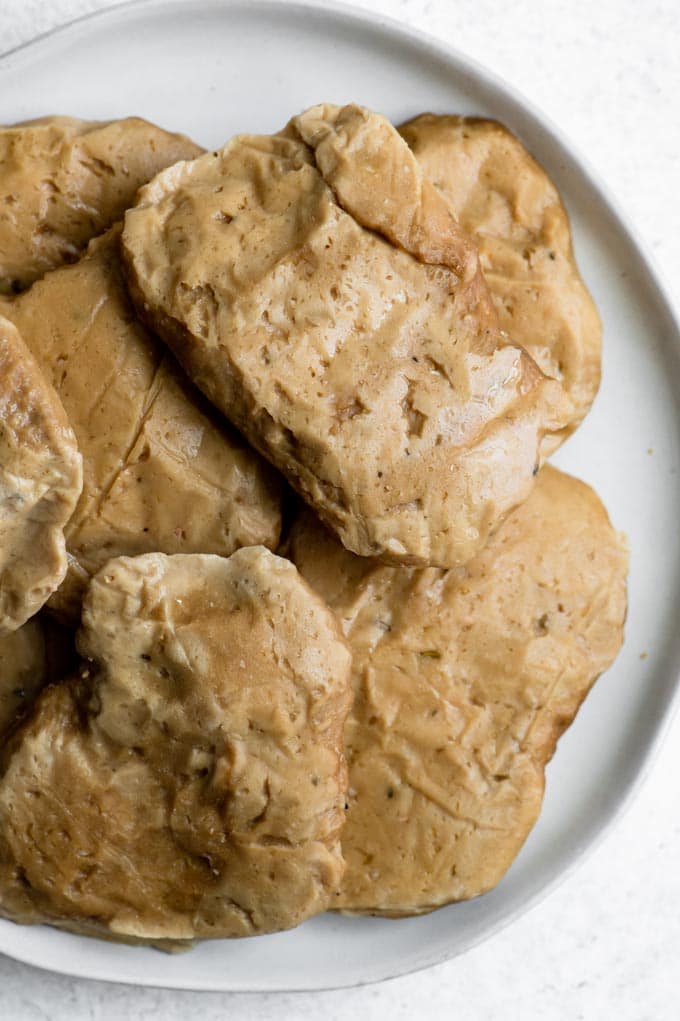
(605, 944)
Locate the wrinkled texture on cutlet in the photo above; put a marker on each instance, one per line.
(319, 290)
(65, 180)
(40, 482)
(192, 784)
(162, 471)
(464, 681)
(509, 206)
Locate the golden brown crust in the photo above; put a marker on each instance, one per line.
(507, 203)
(194, 785)
(367, 366)
(64, 181)
(464, 681)
(40, 482)
(162, 471)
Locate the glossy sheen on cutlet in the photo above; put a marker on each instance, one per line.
(509, 206)
(40, 482)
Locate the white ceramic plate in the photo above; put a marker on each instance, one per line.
(214, 68)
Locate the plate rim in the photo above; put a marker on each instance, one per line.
(664, 298)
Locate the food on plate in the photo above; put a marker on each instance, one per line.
(402, 331)
(192, 782)
(162, 471)
(65, 180)
(40, 482)
(318, 289)
(508, 205)
(464, 681)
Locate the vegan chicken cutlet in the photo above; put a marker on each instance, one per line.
(463, 682)
(64, 181)
(319, 290)
(192, 782)
(40, 482)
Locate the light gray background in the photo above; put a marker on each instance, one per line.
(607, 943)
